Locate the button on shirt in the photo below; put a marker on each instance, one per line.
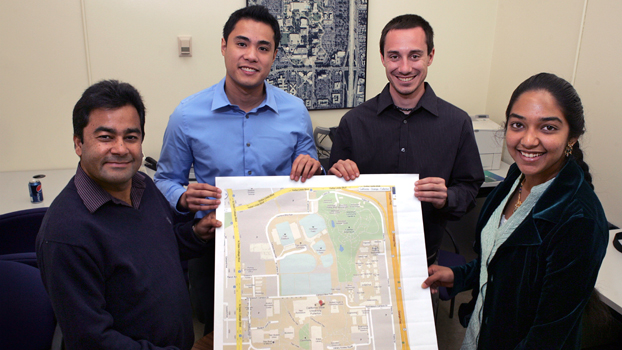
(220, 139)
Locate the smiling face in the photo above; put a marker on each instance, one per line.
(111, 149)
(406, 61)
(249, 52)
(536, 136)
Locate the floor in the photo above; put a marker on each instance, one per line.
(198, 329)
(449, 332)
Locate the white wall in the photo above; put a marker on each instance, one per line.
(136, 41)
(532, 36)
(598, 81)
(463, 39)
(580, 41)
(42, 74)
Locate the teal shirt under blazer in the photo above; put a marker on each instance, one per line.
(541, 278)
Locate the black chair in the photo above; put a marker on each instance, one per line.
(320, 134)
(18, 232)
(446, 258)
(26, 317)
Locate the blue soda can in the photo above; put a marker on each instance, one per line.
(36, 193)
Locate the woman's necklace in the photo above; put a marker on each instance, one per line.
(519, 202)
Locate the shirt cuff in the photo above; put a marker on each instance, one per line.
(198, 238)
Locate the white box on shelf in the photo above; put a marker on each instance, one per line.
(489, 138)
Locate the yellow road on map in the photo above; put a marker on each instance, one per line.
(238, 272)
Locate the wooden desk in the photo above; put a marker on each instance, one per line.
(205, 343)
(609, 282)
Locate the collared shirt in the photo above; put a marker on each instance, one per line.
(114, 264)
(436, 139)
(220, 139)
(94, 196)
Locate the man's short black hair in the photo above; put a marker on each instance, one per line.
(256, 13)
(107, 94)
(408, 22)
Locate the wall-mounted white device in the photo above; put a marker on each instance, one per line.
(184, 45)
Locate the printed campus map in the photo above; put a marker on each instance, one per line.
(314, 266)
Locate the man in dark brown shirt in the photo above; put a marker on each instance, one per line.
(408, 129)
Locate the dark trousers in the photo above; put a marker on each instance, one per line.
(201, 277)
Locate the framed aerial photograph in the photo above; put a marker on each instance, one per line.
(322, 53)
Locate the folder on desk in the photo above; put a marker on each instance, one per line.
(492, 177)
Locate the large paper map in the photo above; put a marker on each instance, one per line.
(327, 264)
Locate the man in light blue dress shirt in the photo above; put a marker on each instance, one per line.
(242, 126)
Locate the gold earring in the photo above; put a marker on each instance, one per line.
(568, 150)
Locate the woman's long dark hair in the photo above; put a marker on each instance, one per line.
(567, 100)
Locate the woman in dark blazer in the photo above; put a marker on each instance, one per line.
(542, 233)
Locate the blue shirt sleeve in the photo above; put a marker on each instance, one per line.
(175, 160)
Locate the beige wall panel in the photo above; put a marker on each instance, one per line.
(136, 41)
(532, 36)
(463, 37)
(42, 70)
(599, 84)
